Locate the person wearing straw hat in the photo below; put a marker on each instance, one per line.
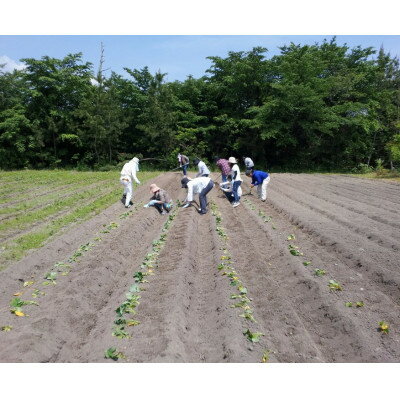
(236, 180)
(128, 175)
(160, 200)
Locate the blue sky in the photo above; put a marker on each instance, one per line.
(176, 55)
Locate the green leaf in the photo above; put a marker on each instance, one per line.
(253, 336)
(360, 304)
(305, 263)
(6, 328)
(349, 304)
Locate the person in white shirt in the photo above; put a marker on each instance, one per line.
(201, 185)
(203, 170)
(227, 187)
(128, 175)
(236, 180)
(248, 162)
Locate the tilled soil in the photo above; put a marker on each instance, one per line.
(347, 226)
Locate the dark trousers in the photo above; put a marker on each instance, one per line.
(184, 168)
(203, 197)
(235, 188)
(161, 207)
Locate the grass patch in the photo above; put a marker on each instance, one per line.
(17, 248)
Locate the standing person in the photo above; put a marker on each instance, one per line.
(248, 162)
(128, 175)
(160, 200)
(183, 162)
(202, 186)
(236, 180)
(202, 167)
(261, 180)
(227, 187)
(223, 165)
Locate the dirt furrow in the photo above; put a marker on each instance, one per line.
(62, 324)
(185, 313)
(345, 205)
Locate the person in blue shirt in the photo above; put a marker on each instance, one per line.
(261, 180)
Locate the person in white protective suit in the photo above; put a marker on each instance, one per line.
(128, 175)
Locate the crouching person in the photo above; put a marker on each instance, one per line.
(202, 186)
(227, 188)
(160, 200)
(261, 180)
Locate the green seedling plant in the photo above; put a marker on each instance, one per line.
(113, 354)
(294, 250)
(359, 304)
(28, 283)
(6, 328)
(319, 272)
(291, 237)
(50, 278)
(384, 327)
(333, 285)
(265, 357)
(120, 333)
(37, 293)
(348, 304)
(254, 337)
(248, 314)
(16, 305)
(306, 263)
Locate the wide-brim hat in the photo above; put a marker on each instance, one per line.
(154, 188)
(184, 182)
(232, 160)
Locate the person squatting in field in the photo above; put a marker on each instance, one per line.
(261, 180)
(223, 165)
(227, 187)
(183, 162)
(202, 167)
(236, 180)
(201, 185)
(161, 200)
(128, 175)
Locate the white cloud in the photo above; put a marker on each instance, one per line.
(9, 64)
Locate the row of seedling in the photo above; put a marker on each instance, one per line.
(62, 268)
(127, 310)
(266, 218)
(242, 301)
(332, 284)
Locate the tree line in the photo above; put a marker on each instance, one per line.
(312, 107)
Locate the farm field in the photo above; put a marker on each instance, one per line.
(311, 275)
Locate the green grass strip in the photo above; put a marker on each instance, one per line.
(15, 250)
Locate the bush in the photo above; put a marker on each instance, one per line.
(362, 169)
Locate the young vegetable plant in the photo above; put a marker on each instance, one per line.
(254, 337)
(384, 327)
(50, 278)
(333, 285)
(113, 354)
(6, 328)
(319, 272)
(265, 356)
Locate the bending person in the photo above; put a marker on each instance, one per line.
(128, 175)
(202, 186)
(202, 167)
(227, 188)
(160, 200)
(261, 180)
